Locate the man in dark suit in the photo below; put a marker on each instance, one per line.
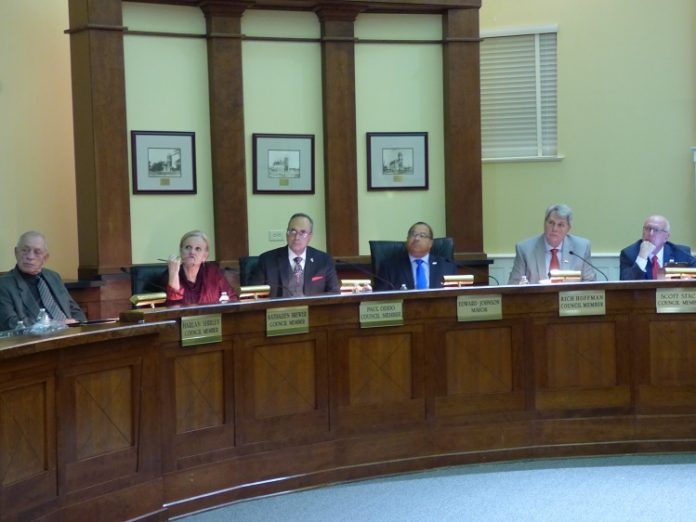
(29, 286)
(298, 269)
(645, 258)
(414, 268)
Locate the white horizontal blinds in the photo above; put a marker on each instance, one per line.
(518, 96)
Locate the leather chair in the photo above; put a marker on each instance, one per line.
(147, 278)
(380, 250)
(247, 265)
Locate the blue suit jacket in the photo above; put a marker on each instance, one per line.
(17, 303)
(396, 271)
(274, 269)
(672, 253)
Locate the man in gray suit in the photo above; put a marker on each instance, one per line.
(555, 248)
(29, 286)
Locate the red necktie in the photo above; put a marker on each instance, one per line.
(655, 267)
(554, 265)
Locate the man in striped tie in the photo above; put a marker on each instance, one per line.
(29, 286)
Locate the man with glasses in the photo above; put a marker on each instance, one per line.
(29, 286)
(297, 269)
(645, 258)
(555, 249)
(415, 268)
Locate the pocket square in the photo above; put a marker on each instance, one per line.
(317, 278)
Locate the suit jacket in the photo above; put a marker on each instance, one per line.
(17, 303)
(396, 271)
(672, 253)
(274, 269)
(530, 259)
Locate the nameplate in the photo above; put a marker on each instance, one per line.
(480, 307)
(586, 302)
(381, 313)
(289, 320)
(675, 300)
(201, 329)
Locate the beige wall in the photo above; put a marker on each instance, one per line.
(626, 115)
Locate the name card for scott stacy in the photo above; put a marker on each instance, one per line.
(675, 300)
(381, 313)
(480, 307)
(585, 302)
(289, 320)
(201, 329)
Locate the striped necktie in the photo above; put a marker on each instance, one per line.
(49, 303)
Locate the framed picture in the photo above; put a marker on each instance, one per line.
(397, 160)
(163, 162)
(283, 163)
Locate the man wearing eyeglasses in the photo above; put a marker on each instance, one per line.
(645, 258)
(416, 268)
(297, 269)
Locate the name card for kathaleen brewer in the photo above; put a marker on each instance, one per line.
(201, 329)
(381, 313)
(288, 320)
(586, 302)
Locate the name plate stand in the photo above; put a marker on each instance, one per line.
(585, 302)
(381, 313)
(675, 300)
(479, 307)
(201, 329)
(289, 320)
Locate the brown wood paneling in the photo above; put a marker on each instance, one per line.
(199, 391)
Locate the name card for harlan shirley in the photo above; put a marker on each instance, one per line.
(480, 307)
(675, 300)
(201, 329)
(381, 313)
(585, 302)
(288, 320)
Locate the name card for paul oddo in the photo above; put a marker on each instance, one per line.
(585, 302)
(479, 307)
(201, 329)
(675, 300)
(381, 313)
(289, 320)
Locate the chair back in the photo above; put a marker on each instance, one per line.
(381, 250)
(147, 278)
(247, 265)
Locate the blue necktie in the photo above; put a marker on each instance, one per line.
(420, 275)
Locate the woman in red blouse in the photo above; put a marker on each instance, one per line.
(190, 279)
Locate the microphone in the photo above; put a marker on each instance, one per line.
(346, 264)
(590, 264)
(494, 279)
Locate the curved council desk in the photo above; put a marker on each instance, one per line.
(121, 421)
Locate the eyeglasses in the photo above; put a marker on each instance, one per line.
(419, 235)
(297, 233)
(653, 230)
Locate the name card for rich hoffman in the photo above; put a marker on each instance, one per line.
(288, 320)
(585, 302)
(201, 329)
(479, 307)
(675, 300)
(381, 313)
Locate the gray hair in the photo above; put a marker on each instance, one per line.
(198, 234)
(302, 215)
(31, 233)
(563, 211)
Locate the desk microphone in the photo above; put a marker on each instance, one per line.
(346, 264)
(590, 264)
(494, 279)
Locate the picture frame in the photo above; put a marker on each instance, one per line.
(163, 162)
(283, 163)
(397, 161)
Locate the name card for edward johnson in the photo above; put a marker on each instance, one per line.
(381, 313)
(289, 320)
(201, 329)
(675, 300)
(585, 302)
(480, 307)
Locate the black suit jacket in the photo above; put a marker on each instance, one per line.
(274, 269)
(17, 303)
(396, 271)
(672, 253)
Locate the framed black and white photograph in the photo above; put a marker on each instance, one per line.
(163, 162)
(283, 163)
(397, 160)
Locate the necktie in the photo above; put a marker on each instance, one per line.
(554, 265)
(49, 303)
(420, 275)
(297, 283)
(655, 267)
